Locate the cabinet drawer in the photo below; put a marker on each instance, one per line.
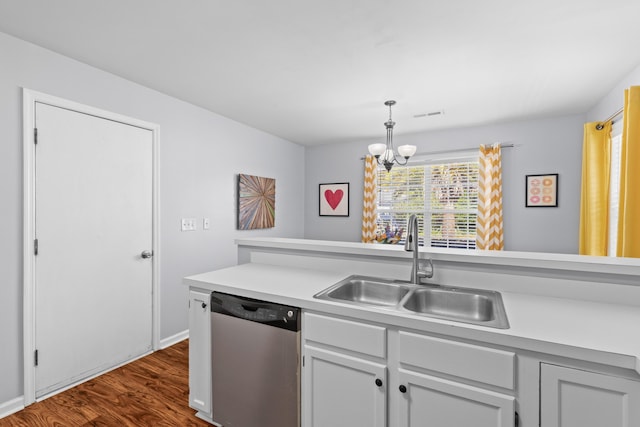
(482, 364)
(346, 334)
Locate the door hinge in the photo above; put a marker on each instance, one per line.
(303, 361)
(35, 247)
(35, 136)
(36, 357)
(516, 422)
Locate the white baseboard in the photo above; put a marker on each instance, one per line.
(11, 407)
(169, 341)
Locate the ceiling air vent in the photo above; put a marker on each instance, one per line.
(431, 114)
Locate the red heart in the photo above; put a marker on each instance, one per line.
(333, 198)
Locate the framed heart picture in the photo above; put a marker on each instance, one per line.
(334, 199)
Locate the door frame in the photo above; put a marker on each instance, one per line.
(30, 98)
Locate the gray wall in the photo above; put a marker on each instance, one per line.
(552, 145)
(198, 168)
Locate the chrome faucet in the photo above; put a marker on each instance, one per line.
(411, 245)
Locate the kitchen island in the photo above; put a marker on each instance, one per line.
(570, 322)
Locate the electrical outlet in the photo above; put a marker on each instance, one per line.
(188, 224)
(205, 224)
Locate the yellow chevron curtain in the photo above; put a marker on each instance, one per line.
(369, 200)
(489, 233)
(594, 197)
(629, 209)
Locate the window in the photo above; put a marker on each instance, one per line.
(443, 194)
(614, 186)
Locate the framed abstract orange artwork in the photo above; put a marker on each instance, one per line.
(256, 202)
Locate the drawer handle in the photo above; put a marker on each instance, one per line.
(402, 389)
(378, 382)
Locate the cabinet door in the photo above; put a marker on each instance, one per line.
(200, 351)
(343, 391)
(436, 402)
(574, 398)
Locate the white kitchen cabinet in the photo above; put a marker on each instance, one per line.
(450, 383)
(351, 368)
(575, 398)
(343, 391)
(345, 373)
(200, 352)
(436, 402)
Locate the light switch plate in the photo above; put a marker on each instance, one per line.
(188, 224)
(205, 224)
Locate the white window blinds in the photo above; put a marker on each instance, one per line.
(453, 204)
(401, 192)
(444, 196)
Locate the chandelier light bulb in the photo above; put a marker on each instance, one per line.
(407, 151)
(377, 149)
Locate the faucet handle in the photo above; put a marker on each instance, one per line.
(425, 274)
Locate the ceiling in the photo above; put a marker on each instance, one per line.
(318, 72)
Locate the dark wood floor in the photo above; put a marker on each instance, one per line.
(152, 391)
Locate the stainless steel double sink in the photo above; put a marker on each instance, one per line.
(476, 306)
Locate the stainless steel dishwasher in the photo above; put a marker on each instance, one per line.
(255, 357)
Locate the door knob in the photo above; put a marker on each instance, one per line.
(146, 254)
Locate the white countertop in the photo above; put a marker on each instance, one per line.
(589, 331)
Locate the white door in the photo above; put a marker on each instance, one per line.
(575, 398)
(436, 402)
(200, 352)
(343, 391)
(93, 219)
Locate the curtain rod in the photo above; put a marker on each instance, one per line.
(457, 150)
(600, 126)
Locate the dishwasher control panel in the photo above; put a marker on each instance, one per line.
(276, 315)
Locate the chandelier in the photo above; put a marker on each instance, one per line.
(384, 153)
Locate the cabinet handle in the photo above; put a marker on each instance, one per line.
(517, 420)
(378, 382)
(402, 389)
(204, 305)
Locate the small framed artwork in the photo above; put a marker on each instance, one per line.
(334, 199)
(541, 191)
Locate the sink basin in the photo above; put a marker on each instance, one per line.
(366, 290)
(476, 306)
(465, 305)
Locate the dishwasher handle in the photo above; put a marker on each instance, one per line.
(273, 314)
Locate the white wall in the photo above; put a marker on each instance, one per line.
(197, 179)
(614, 100)
(552, 145)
